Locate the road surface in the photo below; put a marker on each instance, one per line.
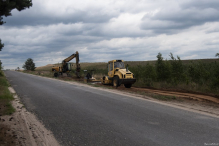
(80, 115)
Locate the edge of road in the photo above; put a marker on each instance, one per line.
(192, 108)
(25, 127)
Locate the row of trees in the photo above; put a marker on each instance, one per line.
(172, 73)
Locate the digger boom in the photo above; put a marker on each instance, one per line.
(66, 67)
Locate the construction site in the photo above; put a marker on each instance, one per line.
(116, 79)
(118, 75)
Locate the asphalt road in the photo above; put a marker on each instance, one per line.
(80, 115)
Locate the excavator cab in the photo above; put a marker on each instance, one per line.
(67, 67)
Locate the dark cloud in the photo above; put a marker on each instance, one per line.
(187, 14)
(200, 4)
(35, 16)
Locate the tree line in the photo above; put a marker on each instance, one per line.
(195, 75)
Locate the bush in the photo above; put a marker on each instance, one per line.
(195, 76)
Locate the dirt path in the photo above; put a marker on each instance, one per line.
(199, 97)
(195, 96)
(23, 128)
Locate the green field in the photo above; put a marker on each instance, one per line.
(200, 75)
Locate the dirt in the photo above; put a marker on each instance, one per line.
(204, 104)
(194, 96)
(175, 93)
(179, 94)
(23, 128)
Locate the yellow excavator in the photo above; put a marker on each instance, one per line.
(118, 74)
(66, 66)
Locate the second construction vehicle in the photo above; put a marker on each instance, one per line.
(118, 74)
(66, 66)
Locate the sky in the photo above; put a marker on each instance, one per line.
(103, 30)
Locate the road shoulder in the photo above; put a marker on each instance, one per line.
(23, 128)
(202, 107)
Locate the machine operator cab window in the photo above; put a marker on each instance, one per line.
(110, 66)
(117, 64)
(67, 67)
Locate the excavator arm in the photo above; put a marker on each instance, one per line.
(64, 63)
(65, 66)
(71, 57)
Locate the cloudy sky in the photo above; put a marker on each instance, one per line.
(102, 30)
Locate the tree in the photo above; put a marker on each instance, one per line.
(162, 68)
(1, 45)
(29, 65)
(0, 65)
(6, 6)
(217, 55)
(176, 68)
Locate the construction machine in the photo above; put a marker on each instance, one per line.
(66, 66)
(118, 74)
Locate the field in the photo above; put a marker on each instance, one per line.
(201, 75)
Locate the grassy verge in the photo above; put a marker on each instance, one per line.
(5, 96)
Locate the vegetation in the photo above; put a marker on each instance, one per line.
(198, 76)
(190, 75)
(1, 73)
(29, 65)
(6, 6)
(217, 55)
(5, 95)
(1, 45)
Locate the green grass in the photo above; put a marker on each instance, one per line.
(5, 97)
